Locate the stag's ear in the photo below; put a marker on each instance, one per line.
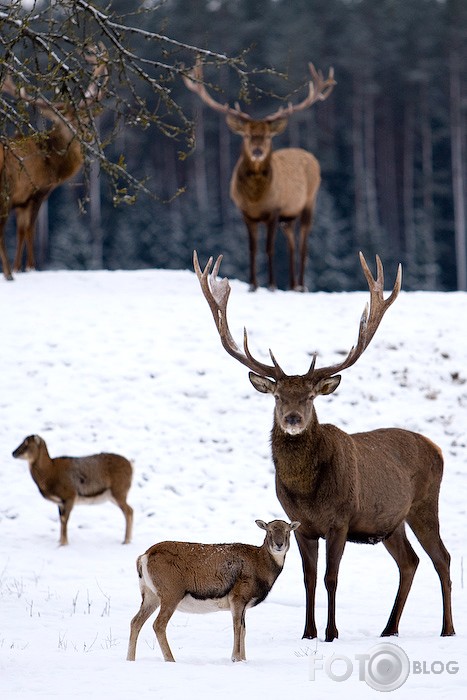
(328, 385)
(278, 126)
(235, 124)
(265, 386)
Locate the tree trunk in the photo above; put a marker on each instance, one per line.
(458, 174)
(410, 246)
(428, 218)
(358, 168)
(201, 186)
(97, 248)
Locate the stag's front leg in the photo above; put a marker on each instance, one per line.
(271, 227)
(252, 228)
(335, 543)
(3, 254)
(309, 553)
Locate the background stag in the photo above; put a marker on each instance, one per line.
(31, 168)
(269, 186)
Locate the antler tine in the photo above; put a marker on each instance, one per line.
(98, 56)
(194, 82)
(319, 89)
(216, 293)
(9, 86)
(370, 319)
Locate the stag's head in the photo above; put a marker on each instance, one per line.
(294, 397)
(257, 134)
(295, 394)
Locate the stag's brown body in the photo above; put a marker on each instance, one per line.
(362, 487)
(271, 187)
(31, 167)
(282, 190)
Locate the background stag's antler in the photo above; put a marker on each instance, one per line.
(318, 90)
(194, 82)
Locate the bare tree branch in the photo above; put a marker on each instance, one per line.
(43, 48)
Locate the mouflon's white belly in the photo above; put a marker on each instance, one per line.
(93, 500)
(194, 605)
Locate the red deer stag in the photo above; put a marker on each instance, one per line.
(362, 487)
(272, 186)
(31, 167)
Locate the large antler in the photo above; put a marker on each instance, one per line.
(194, 82)
(217, 294)
(369, 322)
(98, 56)
(318, 90)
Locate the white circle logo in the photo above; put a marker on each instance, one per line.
(388, 667)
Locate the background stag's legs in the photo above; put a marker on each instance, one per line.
(253, 247)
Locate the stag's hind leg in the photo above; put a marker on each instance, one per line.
(3, 253)
(252, 228)
(288, 227)
(306, 221)
(25, 228)
(425, 525)
(407, 561)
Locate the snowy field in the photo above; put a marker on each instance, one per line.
(130, 362)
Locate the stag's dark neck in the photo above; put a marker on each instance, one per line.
(64, 151)
(298, 458)
(253, 178)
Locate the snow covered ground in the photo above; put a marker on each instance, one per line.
(130, 362)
